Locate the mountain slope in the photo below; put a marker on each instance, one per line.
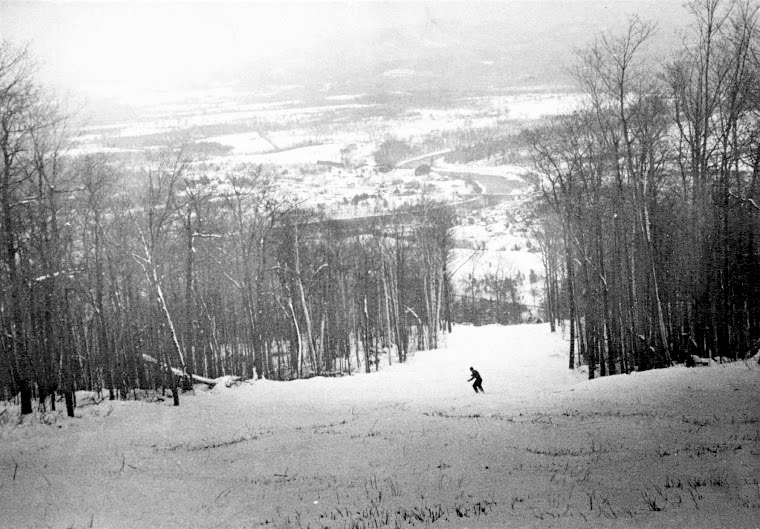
(409, 446)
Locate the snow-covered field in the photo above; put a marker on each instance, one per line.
(299, 156)
(409, 446)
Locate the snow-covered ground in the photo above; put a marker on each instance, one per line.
(244, 143)
(409, 446)
(310, 154)
(508, 172)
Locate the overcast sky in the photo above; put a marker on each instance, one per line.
(118, 48)
(106, 46)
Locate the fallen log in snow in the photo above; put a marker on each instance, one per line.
(699, 361)
(181, 373)
(227, 381)
(203, 380)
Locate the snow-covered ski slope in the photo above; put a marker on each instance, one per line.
(409, 446)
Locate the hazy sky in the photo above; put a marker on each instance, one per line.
(106, 46)
(122, 48)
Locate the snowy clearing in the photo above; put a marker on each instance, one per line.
(310, 154)
(509, 172)
(409, 446)
(244, 143)
(533, 104)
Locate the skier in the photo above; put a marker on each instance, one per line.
(478, 385)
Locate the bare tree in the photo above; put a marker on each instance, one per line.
(153, 225)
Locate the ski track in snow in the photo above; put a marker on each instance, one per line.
(410, 446)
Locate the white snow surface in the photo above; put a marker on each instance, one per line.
(244, 143)
(409, 446)
(508, 171)
(310, 154)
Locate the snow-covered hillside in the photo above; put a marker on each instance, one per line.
(409, 446)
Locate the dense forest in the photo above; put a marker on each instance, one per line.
(123, 277)
(649, 220)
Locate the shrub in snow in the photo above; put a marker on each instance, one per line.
(422, 170)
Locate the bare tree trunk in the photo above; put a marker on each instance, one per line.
(151, 274)
(302, 296)
(189, 281)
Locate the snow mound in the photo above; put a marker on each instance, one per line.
(224, 383)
